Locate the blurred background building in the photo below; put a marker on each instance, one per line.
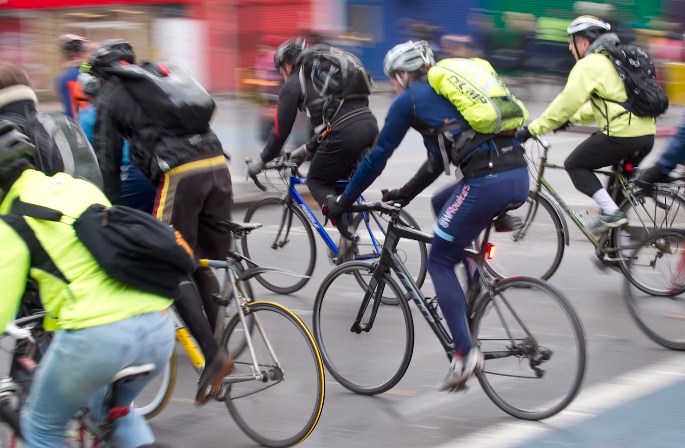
(224, 42)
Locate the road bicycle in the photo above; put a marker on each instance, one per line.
(287, 240)
(531, 339)
(658, 306)
(275, 393)
(536, 248)
(28, 343)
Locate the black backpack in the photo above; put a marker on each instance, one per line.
(177, 102)
(336, 75)
(646, 98)
(131, 246)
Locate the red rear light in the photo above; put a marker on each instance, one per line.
(629, 167)
(490, 251)
(118, 412)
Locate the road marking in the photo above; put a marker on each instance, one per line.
(592, 402)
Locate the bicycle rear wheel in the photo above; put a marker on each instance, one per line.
(372, 359)
(533, 347)
(285, 241)
(412, 253)
(535, 249)
(282, 409)
(156, 395)
(654, 286)
(662, 208)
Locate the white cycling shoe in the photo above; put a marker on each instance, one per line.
(460, 371)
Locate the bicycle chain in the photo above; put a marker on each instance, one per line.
(509, 375)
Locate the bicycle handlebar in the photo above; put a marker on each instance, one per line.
(545, 144)
(280, 163)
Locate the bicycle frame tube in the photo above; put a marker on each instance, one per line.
(183, 336)
(299, 200)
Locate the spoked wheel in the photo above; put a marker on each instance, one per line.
(283, 406)
(156, 395)
(533, 347)
(371, 357)
(535, 249)
(662, 208)
(654, 287)
(285, 241)
(413, 254)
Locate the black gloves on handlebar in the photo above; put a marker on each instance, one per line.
(299, 155)
(395, 195)
(523, 134)
(255, 167)
(335, 207)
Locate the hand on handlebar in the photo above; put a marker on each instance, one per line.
(299, 155)
(395, 196)
(523, 134)
(255, 167)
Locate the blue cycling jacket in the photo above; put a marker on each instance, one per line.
(418, 107)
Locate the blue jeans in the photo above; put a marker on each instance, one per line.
(675, 151)
(463, 210)
(79, 365)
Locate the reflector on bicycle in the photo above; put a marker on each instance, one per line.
(490, 251)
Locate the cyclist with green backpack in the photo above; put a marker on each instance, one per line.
(595, 92)
(495, 176)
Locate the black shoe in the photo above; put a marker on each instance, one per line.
(507, 223)
(212, 377)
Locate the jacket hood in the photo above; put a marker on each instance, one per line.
(603, 41)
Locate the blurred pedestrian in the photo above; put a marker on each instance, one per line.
(74, 50)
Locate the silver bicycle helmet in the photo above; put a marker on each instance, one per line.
(589, 27)
(408, 57)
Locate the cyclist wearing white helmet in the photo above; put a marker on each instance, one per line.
(75, 51)
(463, 209)
(593, 93)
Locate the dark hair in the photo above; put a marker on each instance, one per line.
(12, 75)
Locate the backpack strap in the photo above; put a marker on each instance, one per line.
(39, 257)
(20, 207)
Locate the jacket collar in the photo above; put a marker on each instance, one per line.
(13, 94)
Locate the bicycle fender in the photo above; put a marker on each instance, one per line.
(560, 214)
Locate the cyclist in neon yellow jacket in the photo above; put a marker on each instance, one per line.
(101, 326)
(592, 93)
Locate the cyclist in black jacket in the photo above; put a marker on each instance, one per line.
(352, 130)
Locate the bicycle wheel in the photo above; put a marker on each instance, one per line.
(284, 241)
(374, 359)
(533, 347)
(536, 249)
(650, 211)
(412, 253)
(9, 423)
(283, 408)
(156, 395)
(655, 282)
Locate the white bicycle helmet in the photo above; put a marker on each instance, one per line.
(408, 57)
(589, 27)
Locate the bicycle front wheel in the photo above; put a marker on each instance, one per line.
(535, 249)
(413, 254)
(654, 286)
(372, 357)
(156, 395)
(285, 241)
(282, 404)
(533, 347)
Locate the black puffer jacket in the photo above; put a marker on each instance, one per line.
(120, 117)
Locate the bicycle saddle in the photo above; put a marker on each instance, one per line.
(132, 372)
(239, 227)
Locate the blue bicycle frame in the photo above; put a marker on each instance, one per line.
(297, 198)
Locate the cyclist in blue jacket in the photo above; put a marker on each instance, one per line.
(493, 179)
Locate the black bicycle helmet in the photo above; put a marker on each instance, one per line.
(72, 44)
(16, 150)
(110, 52)
(288, 52)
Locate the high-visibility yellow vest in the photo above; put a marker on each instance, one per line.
(483, 99)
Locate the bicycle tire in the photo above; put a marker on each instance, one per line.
(162, 395)
(526, 251)
(9, 417)
(418, 249)
(269, 254)
(240, 395)
(530, 348)
(360, 354)
(663, 322)
(644, 218)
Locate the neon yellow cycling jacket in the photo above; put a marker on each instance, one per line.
(91, 297)
(594, 73)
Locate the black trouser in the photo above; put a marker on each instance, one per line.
(600, 150)
(193, 198)
(338, 153)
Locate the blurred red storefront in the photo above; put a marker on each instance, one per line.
(226, 32)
